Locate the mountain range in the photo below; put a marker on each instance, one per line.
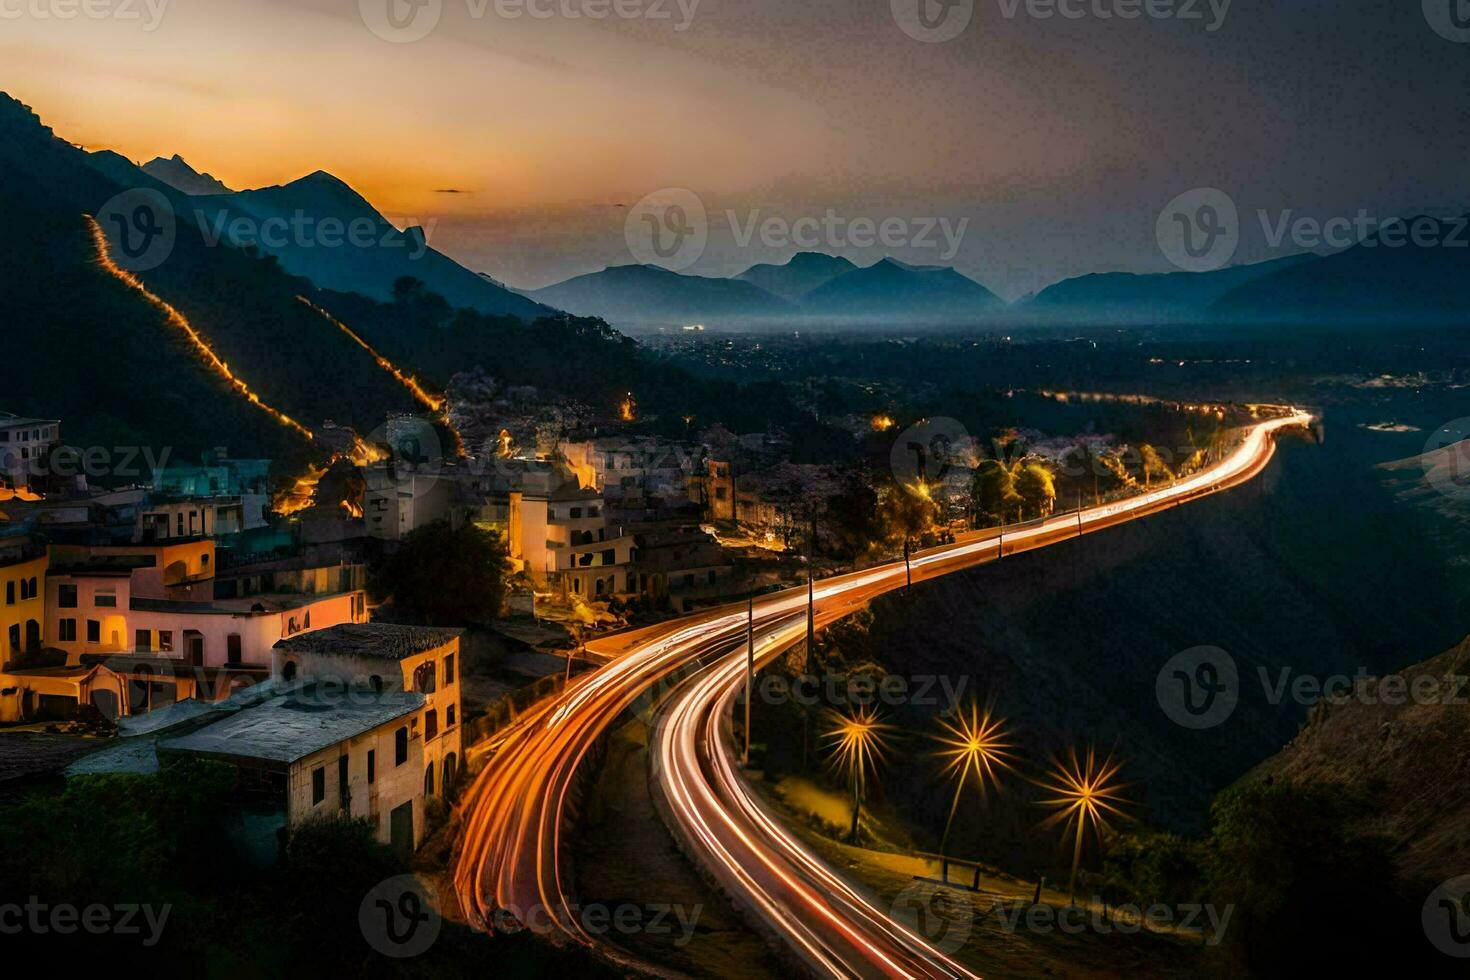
(811, 287)
(1156, 296)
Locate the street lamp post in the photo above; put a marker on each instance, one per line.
(859, 746)
(749, 669)
(975, 743)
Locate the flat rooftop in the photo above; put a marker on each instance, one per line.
(387, 641)
(251, 605)
(293, 726)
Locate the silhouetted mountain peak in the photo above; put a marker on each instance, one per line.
(798, 275)
(19, 120)
(176, 172)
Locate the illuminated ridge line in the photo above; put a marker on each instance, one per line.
(181, 322)
(434, 402)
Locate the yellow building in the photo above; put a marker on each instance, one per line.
(22, 601)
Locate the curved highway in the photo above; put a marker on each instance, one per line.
(509, 874)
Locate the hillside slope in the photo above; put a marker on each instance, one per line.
(1413, 759)
(89, 348)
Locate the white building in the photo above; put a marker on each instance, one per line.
(25, 446)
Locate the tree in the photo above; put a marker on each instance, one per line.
(443, 576)
(1153, 465)
(1035, 486)
(1306, 880)
(849, 519)
(905, 514)
(992, 493)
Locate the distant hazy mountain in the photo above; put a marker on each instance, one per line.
(1420, 275)
(370, 267)
(894, 290)
(1151, 296)
(179, 175)
(802, 273)
(647, 293)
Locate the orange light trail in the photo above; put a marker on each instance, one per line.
(514, 815)
(433, 402)
(181, 322)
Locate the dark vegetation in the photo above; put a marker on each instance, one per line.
(1308, 892)
(443, 576)
(163, 840)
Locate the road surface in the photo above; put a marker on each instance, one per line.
(509, 872)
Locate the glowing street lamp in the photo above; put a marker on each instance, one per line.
(977, 743)
(1084, 794)
(857, 747)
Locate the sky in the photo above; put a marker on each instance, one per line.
(523, 131)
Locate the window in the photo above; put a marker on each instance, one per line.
(68, 630)
(431, 723)
(576, 512)
(105, 600)
(142, 641)
(166, 640)
(372, 766)
(429, 780)
(318, 785)
(344, 794)
(10, 593)
(423, 678)
(94, 631)
(232, 648)
(400, 746)
(449, 717)
(448, 669)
